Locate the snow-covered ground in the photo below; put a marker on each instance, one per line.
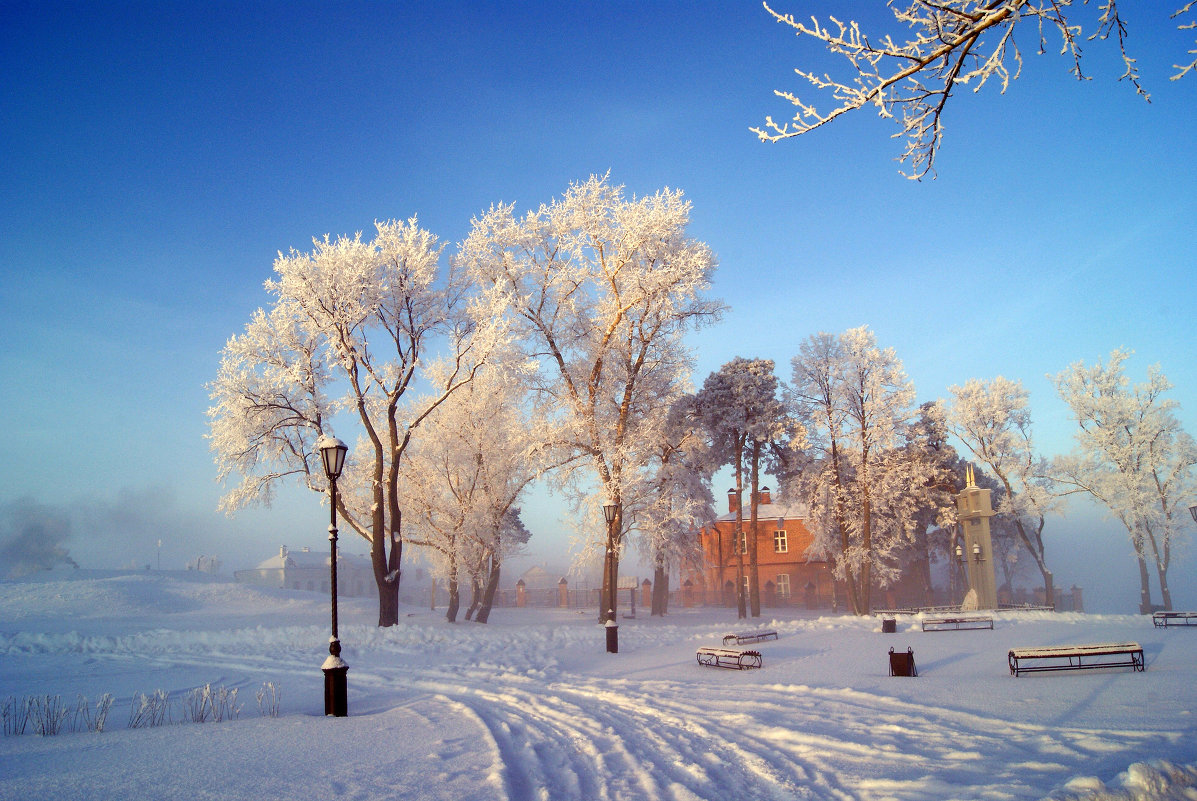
(530, 706)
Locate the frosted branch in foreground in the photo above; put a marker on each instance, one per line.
(949, 43)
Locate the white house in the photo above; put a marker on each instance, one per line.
(306, 569)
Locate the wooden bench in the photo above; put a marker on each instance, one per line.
(956, 623)
(1076, 657)
(1163, 620)
(734, 658)
(751, 636)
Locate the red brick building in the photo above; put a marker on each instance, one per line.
(789, 576)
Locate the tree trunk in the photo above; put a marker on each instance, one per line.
(754, 581)
(738, 536)
(475, 596)
(924, 568)
(1144, 587)
(388, 602)
(1049, 587)
(609, 595)
(1165, 593)
(386, 577)
(454, 601)
(1161, 569)
(488, 593)
(660, 591)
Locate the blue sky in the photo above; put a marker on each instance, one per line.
(158, 155)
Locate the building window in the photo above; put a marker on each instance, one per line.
(783, 584)
(747, 591)
(780, 543)
(743, 542)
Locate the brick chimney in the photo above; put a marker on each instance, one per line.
(733, 500)
(764, 496)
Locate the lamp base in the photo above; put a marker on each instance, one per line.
(336, 702)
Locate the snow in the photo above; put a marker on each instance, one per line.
(530, 706)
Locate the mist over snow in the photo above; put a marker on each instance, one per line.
(531, 707)
(32, 537)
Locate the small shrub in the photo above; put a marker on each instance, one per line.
(48, 714)
(205, 704)
(15, 715)
(150, 710)
(269, 697)
(86, 719)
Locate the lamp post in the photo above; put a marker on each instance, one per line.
(332, 453)
(609, 508)
(1193, 512)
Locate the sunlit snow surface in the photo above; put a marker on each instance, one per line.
(531, 707)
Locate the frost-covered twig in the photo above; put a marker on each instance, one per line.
(951, 43)
(1185, 26)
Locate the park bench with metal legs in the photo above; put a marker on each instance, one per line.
(1163, 620)
(1076, 657)
(957, 623)
(733, 658)
(750, 636)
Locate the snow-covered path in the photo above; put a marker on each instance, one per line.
(530, 706)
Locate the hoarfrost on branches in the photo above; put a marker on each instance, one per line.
(602, 289)
(678, 499)
(350, 331)
(861, 484)
(993, 420)
(476, 457)
(1133, 456)
(740, 408)
(950, 43)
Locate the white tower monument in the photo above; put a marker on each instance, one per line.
(974, 508)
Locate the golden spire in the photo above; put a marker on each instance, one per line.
(970, 479)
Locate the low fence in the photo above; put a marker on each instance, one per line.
(562, 597)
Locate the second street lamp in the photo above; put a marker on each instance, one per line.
(609, 509)
(332, 452)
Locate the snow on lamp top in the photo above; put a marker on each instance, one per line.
(332, 451)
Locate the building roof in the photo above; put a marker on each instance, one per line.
(766, 512)
(307, 558)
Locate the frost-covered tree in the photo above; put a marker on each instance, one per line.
(1133, 456)
(933, 508)
(474, 460)
(678, 500)
(351, 330)
(602, 289)
(742, 412)
(993, 420)
(944, 45)
(861, 485)
(505, 539)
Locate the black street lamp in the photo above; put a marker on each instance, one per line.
(1193, 512)
(609, 509)
(332, 452)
